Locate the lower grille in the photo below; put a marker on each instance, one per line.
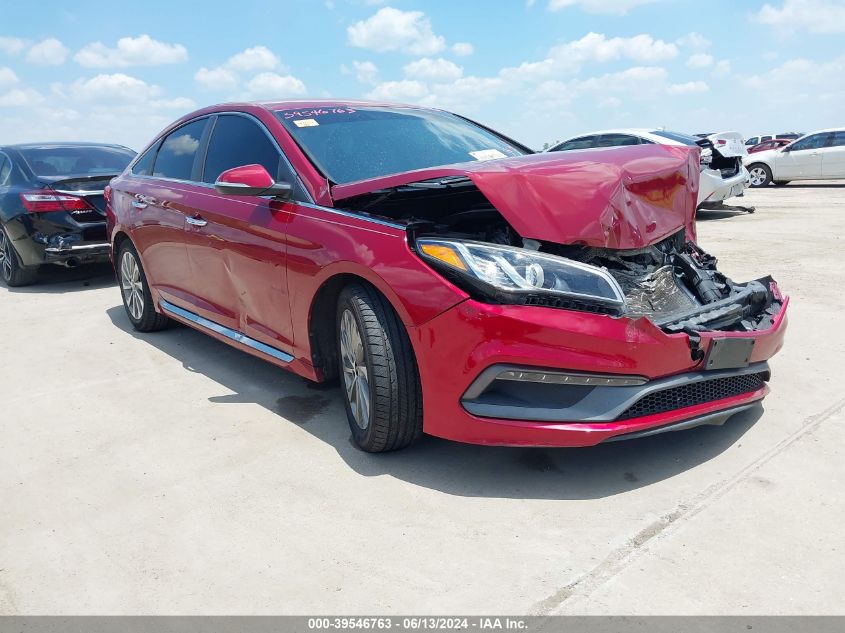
(693, 394)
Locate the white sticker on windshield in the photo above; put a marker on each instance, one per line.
(305, 123)
(487, 154)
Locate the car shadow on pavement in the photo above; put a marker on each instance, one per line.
(58, 279)
(705, 215)
(453, 468)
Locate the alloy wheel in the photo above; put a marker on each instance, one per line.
(5, 257)
(355, 375)
(131, 285)
(758, 176)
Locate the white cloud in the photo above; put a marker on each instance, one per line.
(115, 87)
(271, 85)
(700, 60)
(7, 77)
(435, 70)
(817, 16)
(12, 45)
(613, 7)
(404, 90)
(693, 40)
(390, 29)
(366, 72)
(228, 76)
(49, 52)
(567, 58)
(255, 58)
(131, 51)
(20, 97)
(610, 102)
(722, 68)
(802, 78)
(690, 87)
(463, 49)
(217, 78)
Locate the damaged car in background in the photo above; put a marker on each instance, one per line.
(52, 209)
(456, 283)
(723, 175)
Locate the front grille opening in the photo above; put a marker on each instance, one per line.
(693, 394)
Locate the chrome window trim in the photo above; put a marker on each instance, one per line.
(8, 177)
(238, 337)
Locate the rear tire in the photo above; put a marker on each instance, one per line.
(378, 371)
(137, 300)
(12, 272)
(759, 175)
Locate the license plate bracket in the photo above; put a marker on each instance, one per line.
(729, 353)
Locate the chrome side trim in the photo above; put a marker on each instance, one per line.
(352, 214)
(238, 337)
(77, 249)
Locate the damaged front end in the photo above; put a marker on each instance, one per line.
(575, 235)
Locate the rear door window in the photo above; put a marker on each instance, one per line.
(811, 142)
(838, 141)
(615, 140)
(237, 141)
(179, 150)
(583, 142)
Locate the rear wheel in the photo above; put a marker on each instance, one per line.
(759, 175)
(379, 375)
(137, 299)
(12, 272)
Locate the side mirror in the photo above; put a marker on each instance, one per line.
(251, 180)
(786, 148)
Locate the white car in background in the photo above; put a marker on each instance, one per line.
(723, 175)
(816, 156)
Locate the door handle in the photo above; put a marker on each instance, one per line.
(195, 220)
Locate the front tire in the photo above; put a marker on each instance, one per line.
(135, 291)
(13, 274)
(379, 375)
(759, 175)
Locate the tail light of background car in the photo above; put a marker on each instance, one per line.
(45, 201)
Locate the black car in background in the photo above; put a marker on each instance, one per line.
(52, 209)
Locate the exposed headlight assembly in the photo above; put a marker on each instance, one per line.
(505, 274)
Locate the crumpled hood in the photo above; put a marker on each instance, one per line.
(620, 197)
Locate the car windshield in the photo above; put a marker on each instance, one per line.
(686, 139)
(351, 144)
(76, 161)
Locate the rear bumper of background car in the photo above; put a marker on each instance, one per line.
(52, 238)
(643, 380)
(714, 188)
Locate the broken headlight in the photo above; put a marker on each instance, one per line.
(506, 274)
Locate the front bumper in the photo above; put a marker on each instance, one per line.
(661, 385)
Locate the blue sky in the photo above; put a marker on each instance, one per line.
(537, 70)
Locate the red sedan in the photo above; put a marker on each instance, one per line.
(772, 144)
(455, 283)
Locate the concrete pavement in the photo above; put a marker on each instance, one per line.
(168, 473)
